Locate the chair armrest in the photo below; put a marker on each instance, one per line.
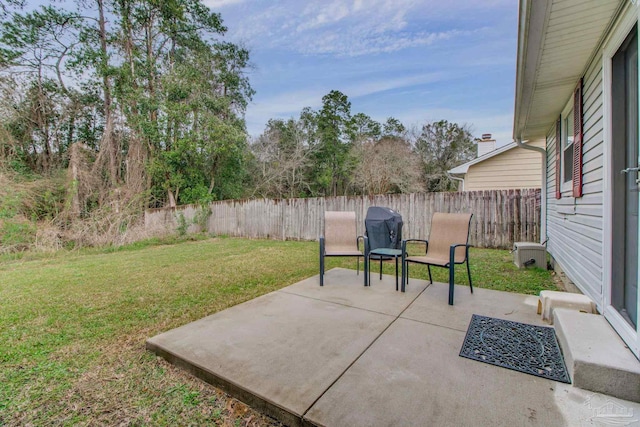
(452, 251)
(462, 244)
(404, 244)
(415, 240)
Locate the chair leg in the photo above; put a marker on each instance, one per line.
(396, 273)
(367, 276)
(321, 261)
(367, 263)
(430, 279)
(358, 266)
(405, 275)
(469, 273)
(406, 272)
(452, 272)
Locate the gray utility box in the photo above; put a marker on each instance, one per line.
(528, 254)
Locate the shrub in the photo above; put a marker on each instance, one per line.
(182, 225)
(16, 234)
(202, 217)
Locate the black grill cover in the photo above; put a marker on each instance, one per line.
(384, 228)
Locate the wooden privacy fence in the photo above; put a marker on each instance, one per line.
(500, 217)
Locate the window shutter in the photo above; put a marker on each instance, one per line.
(558, 158)
(577, 141)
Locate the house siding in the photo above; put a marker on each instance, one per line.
(515, 168)
(575, 225)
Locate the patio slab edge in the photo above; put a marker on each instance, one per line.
(255, 401)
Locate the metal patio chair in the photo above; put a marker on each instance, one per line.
(340, 239)
(447, 246)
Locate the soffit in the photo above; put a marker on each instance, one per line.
(556, 41)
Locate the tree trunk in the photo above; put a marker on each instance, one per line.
(43, 125)
(135, 179)
(73, 167)
(151, 79)
(171, 198)
(108, 154)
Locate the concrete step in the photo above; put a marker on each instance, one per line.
(596, 357)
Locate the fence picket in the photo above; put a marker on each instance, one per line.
(500, 217)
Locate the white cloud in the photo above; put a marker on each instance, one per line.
(217, 4)
(338, 27)
(325, 15)
(293, 102)
(358, 43)
(377, 86)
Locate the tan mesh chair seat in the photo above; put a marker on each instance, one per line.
(338, 251)
(340, 238)
(448, 231)
(441, 262)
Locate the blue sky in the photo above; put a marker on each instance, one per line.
(416, 60)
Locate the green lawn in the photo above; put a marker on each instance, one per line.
(73, 325)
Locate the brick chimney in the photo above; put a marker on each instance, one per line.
(486, 144)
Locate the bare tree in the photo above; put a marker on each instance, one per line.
(386, 166)
(284, 157)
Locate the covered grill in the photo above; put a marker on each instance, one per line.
(384, 228)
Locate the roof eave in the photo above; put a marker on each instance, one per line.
(533, 16)
(546, 75)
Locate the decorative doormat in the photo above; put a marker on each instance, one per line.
(525, 348)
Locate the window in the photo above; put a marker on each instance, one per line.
(569, 136)
(567, 145)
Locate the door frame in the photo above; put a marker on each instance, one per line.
(617, 36)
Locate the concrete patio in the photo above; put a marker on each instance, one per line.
(346, 355)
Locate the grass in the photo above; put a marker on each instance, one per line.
(73, 325)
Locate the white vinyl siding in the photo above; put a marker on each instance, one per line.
(515, 168)
(574, 225)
